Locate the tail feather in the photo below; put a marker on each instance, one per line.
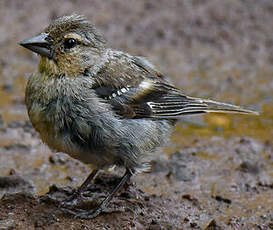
(191, 105)
(220, 107)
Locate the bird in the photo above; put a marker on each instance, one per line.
(102, 106)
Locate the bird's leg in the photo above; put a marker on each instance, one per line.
(75, 196)
(84, 185)
(95, 212)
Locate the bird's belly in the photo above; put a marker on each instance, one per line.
(53, 134)
(101, 141)
(98, 158)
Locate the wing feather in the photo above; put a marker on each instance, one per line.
(143, 92)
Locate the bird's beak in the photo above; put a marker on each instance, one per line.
(39, 45)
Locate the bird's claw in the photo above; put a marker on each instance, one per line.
(79, 213)
(72, 200)
(89, 214)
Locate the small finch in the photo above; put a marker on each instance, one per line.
(102, 106)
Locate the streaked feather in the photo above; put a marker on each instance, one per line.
(149, 95)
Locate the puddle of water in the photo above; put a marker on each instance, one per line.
(260, 127)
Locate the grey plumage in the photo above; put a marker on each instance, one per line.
(102, 106)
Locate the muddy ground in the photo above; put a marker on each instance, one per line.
(216, 172)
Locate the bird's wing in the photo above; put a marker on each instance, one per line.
(141, 92)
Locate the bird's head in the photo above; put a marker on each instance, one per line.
(67, 46)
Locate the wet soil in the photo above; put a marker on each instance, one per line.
(211, 183)
(216, 172)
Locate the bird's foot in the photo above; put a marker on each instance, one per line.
(83, 214)
(63, 197)
(58, 195)
(74, 199)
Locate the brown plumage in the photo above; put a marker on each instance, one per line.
(102, 106)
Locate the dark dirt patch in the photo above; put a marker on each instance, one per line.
(14, 182)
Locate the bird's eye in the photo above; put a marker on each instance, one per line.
(69, 43)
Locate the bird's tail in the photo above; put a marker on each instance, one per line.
(177, 106)
(209, 106)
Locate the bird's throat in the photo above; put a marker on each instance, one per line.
(48, 67)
